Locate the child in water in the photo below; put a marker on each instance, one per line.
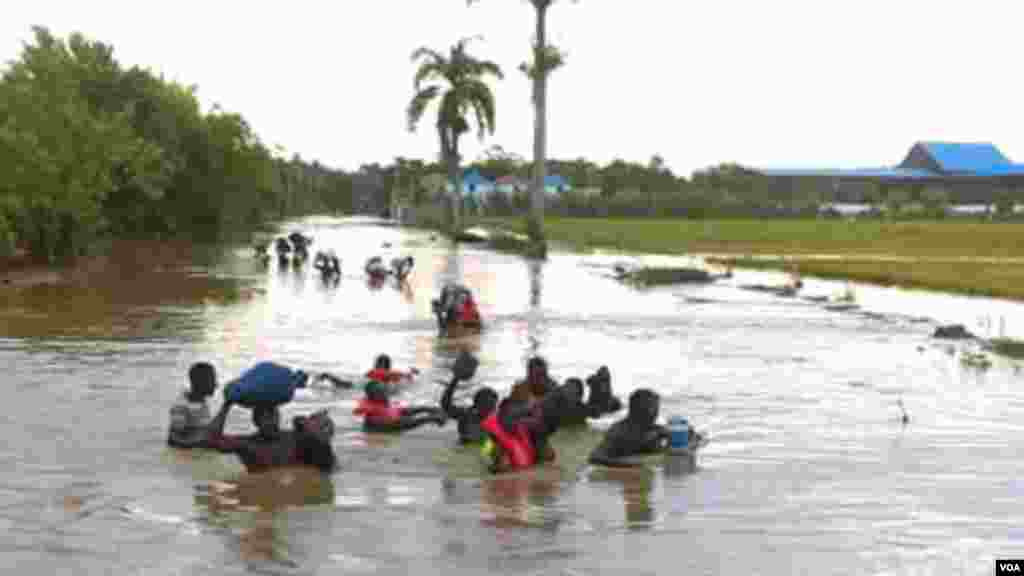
(383, 373)
(381, 415)
(190, 415)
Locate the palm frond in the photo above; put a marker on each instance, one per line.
(429, 53)
(485, 68)
(450, 113)
(429, 71)
(433, 65)
(418, 105)
(478, 96)
(466, 93)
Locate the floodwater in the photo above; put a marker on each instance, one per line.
(809, 470)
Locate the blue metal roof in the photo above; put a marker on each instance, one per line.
(1004, 170)
(555, 180)
(966, 157)
(979, 160)
(473, 177)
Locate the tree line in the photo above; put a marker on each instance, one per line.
(90, 149)
(623, 188)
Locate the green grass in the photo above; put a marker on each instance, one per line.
(949, 250)
(971, 278)
(1007, 347)
(776, 236)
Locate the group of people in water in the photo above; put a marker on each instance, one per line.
(399, 268)
(513, 433)
(293, 250)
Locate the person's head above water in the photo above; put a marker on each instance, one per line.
(202, 379)
(575, 385)
(267, 420)
(485, 400)
(537, 375)
(644, 405)
(383, 362)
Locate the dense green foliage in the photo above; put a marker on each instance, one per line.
(90, 149)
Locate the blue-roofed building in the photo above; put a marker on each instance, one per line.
(555, 184)
(474, 185)
(961, 159)
(971, 172)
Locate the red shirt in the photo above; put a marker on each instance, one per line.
(468, 313)
(387, 376)
(378, 412)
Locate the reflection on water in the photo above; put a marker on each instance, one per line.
(678, 465)
(536, 282)
(251, 511)
(635, 485)
(275, 490)
(809, 463)
(132, 292)
(523, 500)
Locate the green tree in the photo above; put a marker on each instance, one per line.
(658, 178)
(545, 59)
(458, 81)
(58, 155)
(89, 148)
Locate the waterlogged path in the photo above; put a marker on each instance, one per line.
(810, 469)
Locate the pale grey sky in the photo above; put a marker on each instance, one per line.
(788, 83)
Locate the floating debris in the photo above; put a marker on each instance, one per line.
(905, 419)
(953, 332)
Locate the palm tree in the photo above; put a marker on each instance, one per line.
(548, 59)
(458, 80)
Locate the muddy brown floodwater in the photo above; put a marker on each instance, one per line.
(809, 469)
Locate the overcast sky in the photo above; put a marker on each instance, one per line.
(769, 84)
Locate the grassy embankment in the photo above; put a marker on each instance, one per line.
(946, 255)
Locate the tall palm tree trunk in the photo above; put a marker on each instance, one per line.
(455, 198)
(450, 155)
(539, 125)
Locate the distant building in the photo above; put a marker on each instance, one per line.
(972, 173)
(555, 184)
(510, 184)
(474, 185)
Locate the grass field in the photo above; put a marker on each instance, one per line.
(939, 255)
